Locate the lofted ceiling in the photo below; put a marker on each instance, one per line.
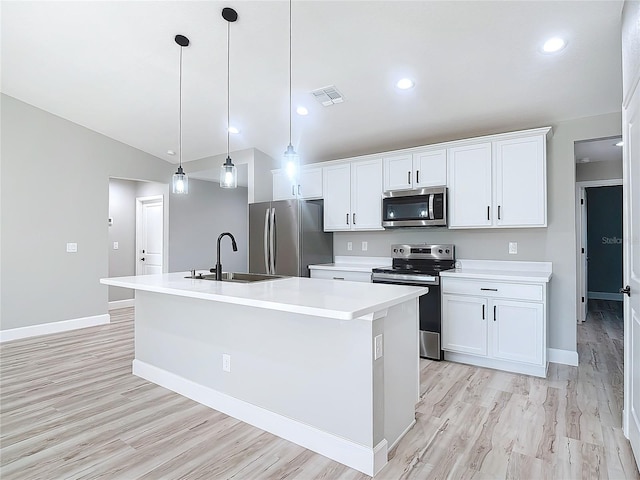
(112, 66)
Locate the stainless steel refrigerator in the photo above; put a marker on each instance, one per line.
(287, 236)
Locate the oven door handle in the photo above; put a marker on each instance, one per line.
(400, 279)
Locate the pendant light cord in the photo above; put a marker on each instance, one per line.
(228, 83)
(290, 72)
(180, 108)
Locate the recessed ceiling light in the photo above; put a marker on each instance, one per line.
(302, 111)
(405, 84)
(554, 45)
(233, 130)
(619, 144)
(170, 152)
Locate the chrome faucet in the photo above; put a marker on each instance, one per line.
(218, 269)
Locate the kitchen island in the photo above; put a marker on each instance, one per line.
(332, 366)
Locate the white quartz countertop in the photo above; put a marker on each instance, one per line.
(308, 296)
(353, 264)
(522, 272)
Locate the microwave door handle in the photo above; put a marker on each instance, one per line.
(431, 215)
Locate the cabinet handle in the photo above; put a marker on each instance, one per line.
(298, 190)
(417, 176)
(494, 313)
(409, 178)
(293, 190)
(498, 212)
(488, 210)
(338, 278)
(354, 218)
(489, 289)
(347, 219)
(483, 311)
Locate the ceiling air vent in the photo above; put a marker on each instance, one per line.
(328, 95)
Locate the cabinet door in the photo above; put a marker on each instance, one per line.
(310, 183)
(518, 331)
(336, 184)
(469, 175)
(430, 168)
(398, 173)
(283, 186)
(366, 195)
(520, 184)
(464, 324)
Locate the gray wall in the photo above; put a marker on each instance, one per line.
(55, 189)
(197, 219)
(122, 209)
(556, 243)
(599, 171)
(604, 240)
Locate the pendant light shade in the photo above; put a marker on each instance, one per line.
(228, 174)
(228, 171)
(180, 181)
(290, 159)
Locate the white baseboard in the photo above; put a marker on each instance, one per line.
(53, 327)
(364, 459)
(564, 357)
(605, 296)
(131, 302)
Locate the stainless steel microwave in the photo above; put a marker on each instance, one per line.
(425, 207)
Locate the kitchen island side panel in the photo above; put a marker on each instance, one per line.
(315, 370)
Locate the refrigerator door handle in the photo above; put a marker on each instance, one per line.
(266, 241)
(273, 241)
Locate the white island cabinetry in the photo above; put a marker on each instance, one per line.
(332, 366)
(494, 314)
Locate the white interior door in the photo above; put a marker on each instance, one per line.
(149, 234)
(631, 185)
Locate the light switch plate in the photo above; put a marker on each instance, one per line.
(513, 248)
(72, 247)
(365, 245)
(378, 347)
(349, 246)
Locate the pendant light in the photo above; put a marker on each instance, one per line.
(228, 171)
(180, 181)
(290, 160)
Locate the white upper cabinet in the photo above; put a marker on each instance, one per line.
(353, 196)
(469, 184)
(520, 182)
(415, 170)
(498, 184)
(307, 185)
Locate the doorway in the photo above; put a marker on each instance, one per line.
(149, 234)
(598, 221)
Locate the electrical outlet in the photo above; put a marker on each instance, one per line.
(349, 246)
(72, 247)
(378, 347)
(116, 246)
(226, 362)
(365, 245)
(513, 248)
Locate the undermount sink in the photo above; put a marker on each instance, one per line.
(240, 277)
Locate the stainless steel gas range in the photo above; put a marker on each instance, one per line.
(420, 264)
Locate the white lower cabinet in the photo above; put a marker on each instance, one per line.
(494, 324)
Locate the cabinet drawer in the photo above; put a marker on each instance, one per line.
(341, 275)
(518, 291)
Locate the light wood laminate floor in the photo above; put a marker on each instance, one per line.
(70, 408)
